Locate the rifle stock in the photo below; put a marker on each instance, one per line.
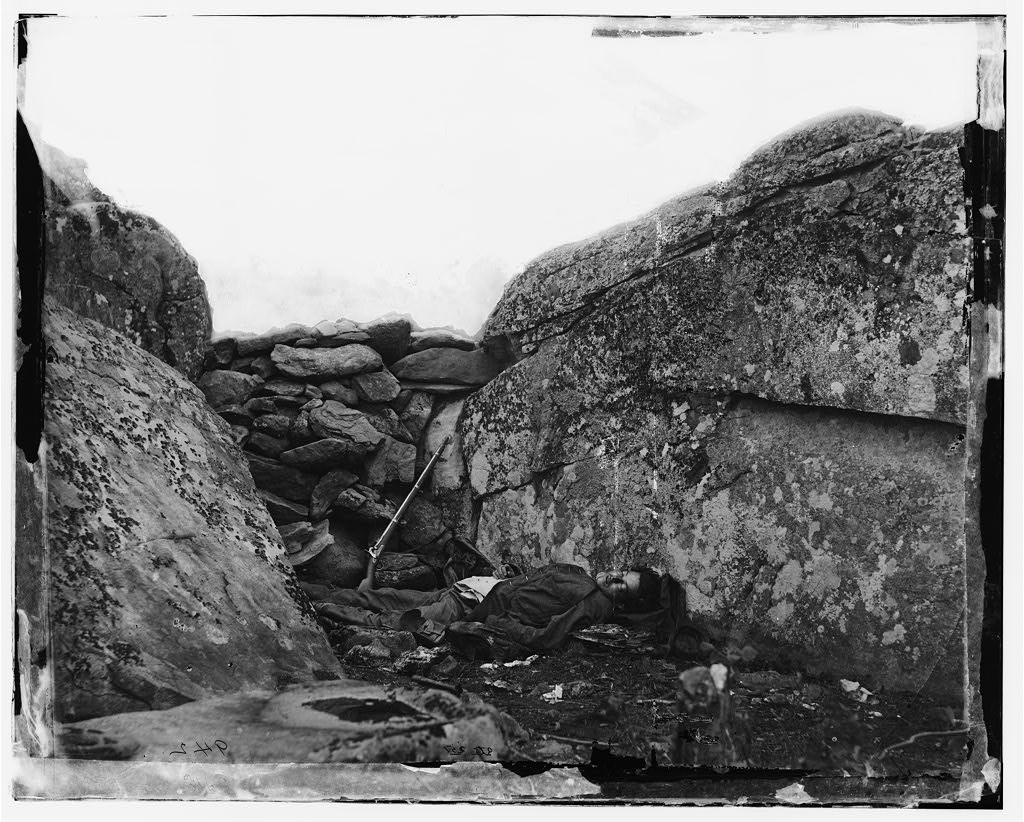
(381, 544)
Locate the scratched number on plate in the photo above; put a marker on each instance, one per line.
(203, 748)
(462, 750)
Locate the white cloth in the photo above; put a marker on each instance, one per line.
(475, 588)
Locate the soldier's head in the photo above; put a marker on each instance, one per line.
(638, 589)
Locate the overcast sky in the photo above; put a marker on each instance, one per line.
(324, 168)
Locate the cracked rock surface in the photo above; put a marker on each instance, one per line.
(761, 388)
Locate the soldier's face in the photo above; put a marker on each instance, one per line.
(621, 586)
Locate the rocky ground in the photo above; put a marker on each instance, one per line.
(611, 693)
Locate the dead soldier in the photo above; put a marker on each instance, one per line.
(511, 614)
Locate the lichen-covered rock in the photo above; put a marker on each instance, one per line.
(447, 365)
(167, 578)
(836, 278)
(829, 272)
(449, 483)
(324, 363)
(121, 268)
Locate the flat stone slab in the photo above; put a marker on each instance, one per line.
(338, 721)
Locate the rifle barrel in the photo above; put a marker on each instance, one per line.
(378, 548)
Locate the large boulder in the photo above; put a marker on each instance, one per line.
(761, 388)
(167, 580)
(121, 268)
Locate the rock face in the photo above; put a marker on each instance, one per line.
(167, 578)
(121, 268)
(761, 388)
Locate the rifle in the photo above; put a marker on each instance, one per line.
(381, 543)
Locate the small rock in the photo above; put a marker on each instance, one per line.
(282, 388)
(263, 366)
(287, 406)
(329, 452)
(265, 445)
(385, 420)
(370, 654)
(305, 342)
(325, 329)
(258, 343)
(376, 386)
(281, 510)
(283, 480)
(354, 636)
(333, 419)
(441, 388)
(342, 566)
(223, 388)
(301, 432)
(356, 506)
(221, 352)
(439, 338)
(313, 392)
(447, 365)
(447, 666)
(393, 461)
(336, 390)
(416, 578)
(416, 413)
(390, 336)
(327, 489)
(324, 363)
(422, 522)
(309, 406)
(239, 435)
(235, 415)
(391, 561)
(304, 541)
(273, 425)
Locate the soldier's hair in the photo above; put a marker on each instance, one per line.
(649, 598)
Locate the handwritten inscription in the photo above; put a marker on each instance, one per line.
(462, 750)
(204, 749)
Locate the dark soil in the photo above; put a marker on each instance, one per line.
(622, 701)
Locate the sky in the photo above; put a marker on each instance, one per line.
(344, 167)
